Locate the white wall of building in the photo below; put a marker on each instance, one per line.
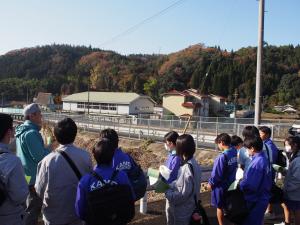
(70, 106)
(141, 106)
(123, 109)
(73, 107)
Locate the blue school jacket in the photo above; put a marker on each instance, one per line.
(223, 174)
(257, 181)
(173, 163)
(121, 161)
(89, 183)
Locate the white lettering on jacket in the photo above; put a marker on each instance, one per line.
(124, 166)
(98, 184)
(232, 161)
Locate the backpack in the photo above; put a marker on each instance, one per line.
(112, 204)
(2, 190)
(281, 159)
(137, 179)
(235, 207)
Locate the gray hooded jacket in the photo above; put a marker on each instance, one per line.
(181, 194)
(291, 186)
(13, 181)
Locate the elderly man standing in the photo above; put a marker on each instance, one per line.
(31, 150)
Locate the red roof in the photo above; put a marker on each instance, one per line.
(185, 115)
(218, 96)
(195, 93)
(191, 105)
(174, 92)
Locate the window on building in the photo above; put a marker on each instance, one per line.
(113, 107)
(80, 105)
(104, 106)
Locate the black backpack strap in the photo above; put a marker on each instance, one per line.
(71, 163)
(114, 174)
(192, 171)
(98, 177)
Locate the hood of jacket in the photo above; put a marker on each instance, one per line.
(27, 125)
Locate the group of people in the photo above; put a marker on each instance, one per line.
(255, 156)
(59, 182)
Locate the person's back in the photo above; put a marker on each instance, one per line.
(185, 201)
(56, 181)
(121, 161)
(223, 173)
(103, 153)
(224, 169)
(30, 148)
(124, 162)
(12, 178)
(182, 192)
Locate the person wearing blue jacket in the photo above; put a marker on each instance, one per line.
(223, 174)
(121, 160)
(271, 153)
(103, 153)
(31, 150)
(257, 182)
(244, 159)
(173, 163)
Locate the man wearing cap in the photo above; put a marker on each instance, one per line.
(31, 150)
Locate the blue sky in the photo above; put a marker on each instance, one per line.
(231, 24)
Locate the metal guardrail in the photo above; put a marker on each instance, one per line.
(204, 130)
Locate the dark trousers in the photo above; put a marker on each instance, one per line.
(33, 207)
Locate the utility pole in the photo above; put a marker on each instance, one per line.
(88, 106)
(27, 95)
(259, 62)
(235, 101)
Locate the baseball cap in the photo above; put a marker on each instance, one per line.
(30, 109)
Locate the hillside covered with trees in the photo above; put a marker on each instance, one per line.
(65, 69)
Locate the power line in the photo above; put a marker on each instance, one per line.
(136, 26)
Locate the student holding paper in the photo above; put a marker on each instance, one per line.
(172, 163)
(186, 186)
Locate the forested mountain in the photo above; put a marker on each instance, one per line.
(65, 69)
